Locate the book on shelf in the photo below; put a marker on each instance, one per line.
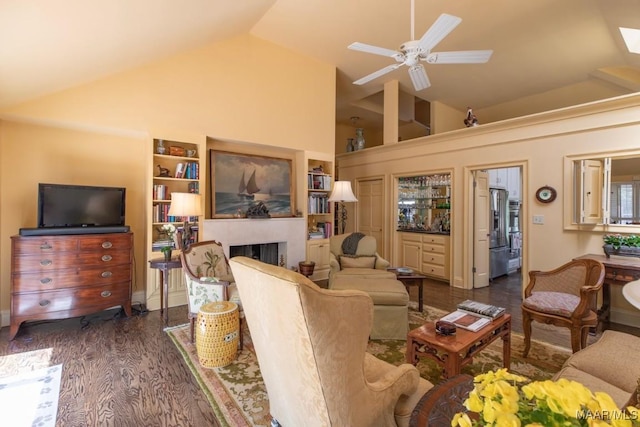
(481, 309)
(179, 170)
(469, 321)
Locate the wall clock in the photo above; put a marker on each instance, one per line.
(546, 194)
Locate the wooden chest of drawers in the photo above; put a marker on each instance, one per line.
(55, 277)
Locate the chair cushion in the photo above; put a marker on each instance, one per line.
(557, 303)
(364, 261)
(382, 291)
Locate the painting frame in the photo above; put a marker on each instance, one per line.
(240, 180)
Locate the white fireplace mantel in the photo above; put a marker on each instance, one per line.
(243, 231)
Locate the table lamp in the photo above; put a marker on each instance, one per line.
(185, 205)
(342, 193)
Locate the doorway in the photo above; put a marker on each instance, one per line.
(497, 228)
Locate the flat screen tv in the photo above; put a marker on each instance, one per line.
(62, 205)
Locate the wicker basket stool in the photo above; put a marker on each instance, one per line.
(217, 329)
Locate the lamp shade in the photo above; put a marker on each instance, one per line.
(185, 204)
(342, 192)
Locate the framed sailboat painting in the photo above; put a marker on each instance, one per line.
(240, 182)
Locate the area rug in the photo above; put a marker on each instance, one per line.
(29, 390)
(238, 396)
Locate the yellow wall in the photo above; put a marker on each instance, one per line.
(539, 144)
(244, 89)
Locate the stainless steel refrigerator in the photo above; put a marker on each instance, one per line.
(498, 232)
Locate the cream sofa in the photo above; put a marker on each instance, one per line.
(311, 347)
(610, 365)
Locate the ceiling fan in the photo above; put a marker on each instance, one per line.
(414, 51)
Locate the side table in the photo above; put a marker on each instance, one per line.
(165, 267)
(452, 352)
(438, 406)
(413, 279)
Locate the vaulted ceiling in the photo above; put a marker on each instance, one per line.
(539, 46)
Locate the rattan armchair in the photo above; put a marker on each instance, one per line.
(564, 297)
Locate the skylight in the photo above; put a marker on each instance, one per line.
(631, 37)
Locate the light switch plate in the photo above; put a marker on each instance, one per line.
(538, 219)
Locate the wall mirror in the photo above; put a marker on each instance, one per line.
(604, 190)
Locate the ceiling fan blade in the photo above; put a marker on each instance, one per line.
(439, 30)
(419, 77)
(459, 57)
(363, 47)
(377, 74)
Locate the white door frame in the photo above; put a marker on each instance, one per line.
(468, 225)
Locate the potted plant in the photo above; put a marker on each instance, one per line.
(621, 244)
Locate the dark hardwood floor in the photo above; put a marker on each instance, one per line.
(117, 371)
(120, 371)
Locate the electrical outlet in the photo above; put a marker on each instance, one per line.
(538, 219)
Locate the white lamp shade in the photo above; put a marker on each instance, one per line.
(185, 204)
(342, 192)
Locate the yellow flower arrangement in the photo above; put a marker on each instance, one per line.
(503, 399)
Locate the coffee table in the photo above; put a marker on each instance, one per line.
(454, 351)
(413, 279)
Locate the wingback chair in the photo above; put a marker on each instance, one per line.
(311, 348)
(563, 297)
(208, 278)
(364, 263)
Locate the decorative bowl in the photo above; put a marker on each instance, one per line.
(404, 270)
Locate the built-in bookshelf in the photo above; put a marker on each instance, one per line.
(319, 215)
(175, 166)
(177, 169)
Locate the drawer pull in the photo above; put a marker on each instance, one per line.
(106, 274)
(46, 262)
(105, 294)
(107, 245)
(45, 246)
(44, 303)
(45, 280)
(107, 257)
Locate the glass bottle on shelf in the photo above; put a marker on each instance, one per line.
(424, 203)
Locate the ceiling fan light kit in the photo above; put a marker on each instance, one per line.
(414, 51)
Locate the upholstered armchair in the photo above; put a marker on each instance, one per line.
(564, 297)
(311, 348)
(364, 262)
(208, 278)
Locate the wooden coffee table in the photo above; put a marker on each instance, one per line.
(454, 351)
(414, 279)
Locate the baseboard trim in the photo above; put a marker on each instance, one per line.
(626, 317)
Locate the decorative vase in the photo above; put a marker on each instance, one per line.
(160, 149)
(621, 251)
(359, 145)
(349, 145)
(167, 254)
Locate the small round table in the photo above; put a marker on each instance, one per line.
(165, 266)
(631, 292)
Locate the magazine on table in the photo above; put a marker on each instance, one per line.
(481, 309)
(465, 320)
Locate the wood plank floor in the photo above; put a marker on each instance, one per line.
(120, 371)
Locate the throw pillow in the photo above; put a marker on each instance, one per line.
(357, 261)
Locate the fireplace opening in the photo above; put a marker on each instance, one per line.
(265, 252)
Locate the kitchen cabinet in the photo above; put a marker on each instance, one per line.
(507, 178)
(427, 253)
(424, 202)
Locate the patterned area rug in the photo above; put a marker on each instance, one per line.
(239, 398)
(29, 389)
